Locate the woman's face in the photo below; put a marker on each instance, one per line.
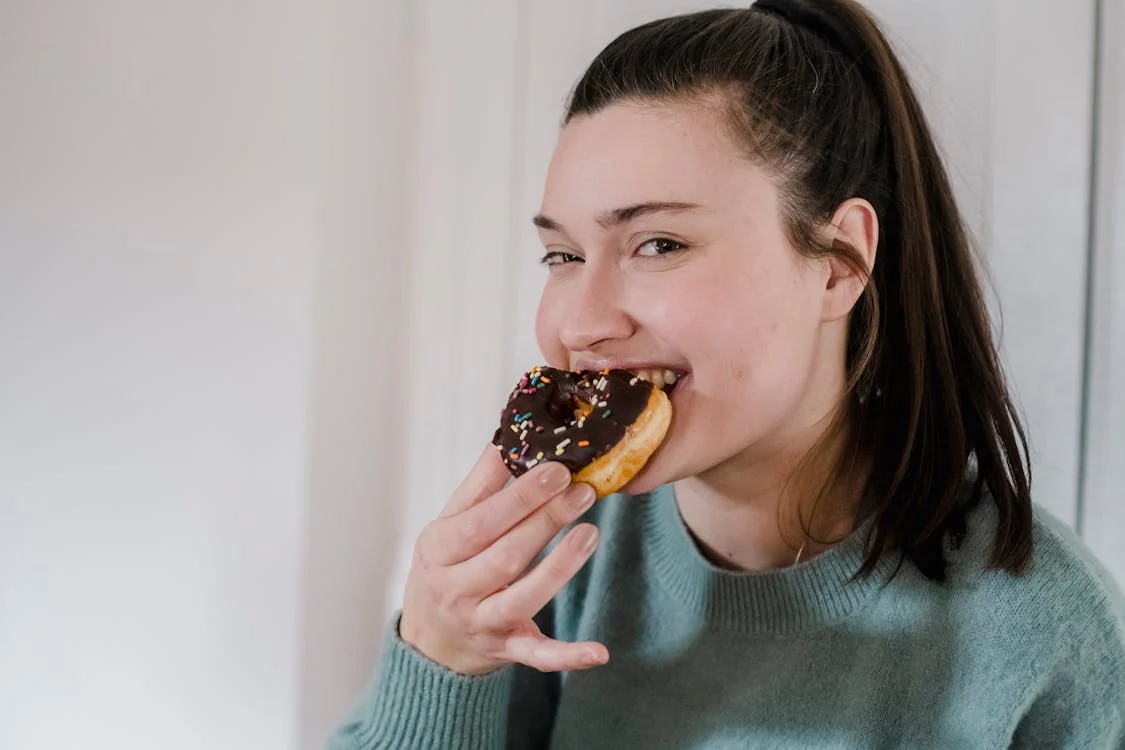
(667, 252)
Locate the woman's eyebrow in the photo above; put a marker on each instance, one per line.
(617, 216)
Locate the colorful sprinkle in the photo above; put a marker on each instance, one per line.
(583, 443)
(606, 413)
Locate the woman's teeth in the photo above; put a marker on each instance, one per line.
(659, 378)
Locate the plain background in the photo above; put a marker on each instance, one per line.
(268, 271)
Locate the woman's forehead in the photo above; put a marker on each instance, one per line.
(633, 153)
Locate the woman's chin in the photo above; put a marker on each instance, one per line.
(660, 469)
(651, 476)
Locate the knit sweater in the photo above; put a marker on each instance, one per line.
(710, 659)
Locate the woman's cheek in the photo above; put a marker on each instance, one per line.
(547, 330)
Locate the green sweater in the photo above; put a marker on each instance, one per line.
(705, 658)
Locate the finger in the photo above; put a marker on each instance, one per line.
(509, 557)
(548, 655)
(523, 599)
(457, 538)
(487, 477)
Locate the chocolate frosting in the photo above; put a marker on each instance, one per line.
(569, 417)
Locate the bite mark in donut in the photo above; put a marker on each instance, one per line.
(603, 426)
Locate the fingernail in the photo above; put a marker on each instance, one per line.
(582, 497)
(555, 477)
(594, 658)
(585, 539)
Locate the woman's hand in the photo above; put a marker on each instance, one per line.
(466, 605)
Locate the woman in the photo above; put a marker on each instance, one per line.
(836, 545)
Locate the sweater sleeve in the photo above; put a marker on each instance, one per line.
(414, 703)
(1081, 701)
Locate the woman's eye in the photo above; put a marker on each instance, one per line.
(557, 258)
(660, 246)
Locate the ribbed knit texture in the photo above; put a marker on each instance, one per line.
(706, 658)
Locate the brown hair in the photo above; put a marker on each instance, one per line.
(818, 98)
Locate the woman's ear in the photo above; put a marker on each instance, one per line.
(856, 225)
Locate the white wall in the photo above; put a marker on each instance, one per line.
(354, 497)
(267, 269)
(1103, 516)
(157, 225)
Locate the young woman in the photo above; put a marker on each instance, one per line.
(835, 546)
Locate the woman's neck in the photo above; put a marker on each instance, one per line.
(760, 515)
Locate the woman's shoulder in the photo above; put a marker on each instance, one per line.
(1067, 574)
(1059, 626)
(1059, 556)
(1066, 597)
(1071, 574)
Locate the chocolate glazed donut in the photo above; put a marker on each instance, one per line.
(603, 426)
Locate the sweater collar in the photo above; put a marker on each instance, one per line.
(787, 601)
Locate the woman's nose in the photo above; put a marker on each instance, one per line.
(595, 311)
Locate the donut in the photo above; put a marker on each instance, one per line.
(603, 426)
